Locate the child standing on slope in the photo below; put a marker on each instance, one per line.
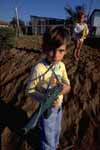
(55, 46)
(80, 33)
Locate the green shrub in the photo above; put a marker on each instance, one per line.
(7, 38)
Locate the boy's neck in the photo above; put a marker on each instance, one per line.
(48, 62)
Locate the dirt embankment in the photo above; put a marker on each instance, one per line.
(81, 107)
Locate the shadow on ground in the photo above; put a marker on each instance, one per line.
(93, 42)
(15, 118)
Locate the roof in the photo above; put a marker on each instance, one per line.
(49, 18)
(93, 12)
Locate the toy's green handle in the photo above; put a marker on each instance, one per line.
(45, 105)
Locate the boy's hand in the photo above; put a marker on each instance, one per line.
(57, 103)
(65, 88)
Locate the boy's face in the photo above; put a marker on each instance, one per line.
(57, 55)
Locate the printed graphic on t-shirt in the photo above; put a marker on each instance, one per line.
(53, 80)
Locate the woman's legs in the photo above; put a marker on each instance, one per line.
(78, 46)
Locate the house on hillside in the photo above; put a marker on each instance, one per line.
(38, 25)
(94, 22)
(3, 24)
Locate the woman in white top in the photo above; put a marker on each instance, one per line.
(80, 33)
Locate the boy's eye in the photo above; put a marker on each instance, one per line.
(61, 50)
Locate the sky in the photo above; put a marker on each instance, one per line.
(44, 8)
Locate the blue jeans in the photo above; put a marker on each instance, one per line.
(50, 129)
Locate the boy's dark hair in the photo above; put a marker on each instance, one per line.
(55, 37)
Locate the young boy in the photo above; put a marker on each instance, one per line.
(80, 33)
(55, 45)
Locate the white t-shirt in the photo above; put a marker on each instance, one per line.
(78, 30)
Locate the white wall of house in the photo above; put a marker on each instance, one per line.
(98, 31)
(95, 22)
(96, 19)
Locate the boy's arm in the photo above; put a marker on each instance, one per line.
(65, 82)
(66, 88)
(32, 84)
